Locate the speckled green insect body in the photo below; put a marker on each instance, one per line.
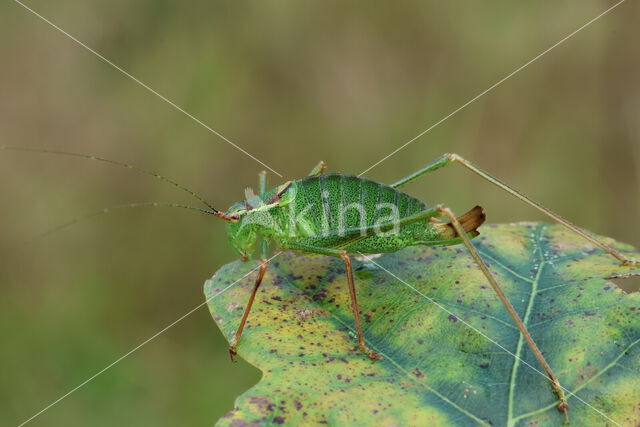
(339, 215)
(339, 212)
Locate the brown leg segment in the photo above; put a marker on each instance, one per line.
(555, 384)
(495, 181)
(356, 311)
(236, 338)
(448, 159)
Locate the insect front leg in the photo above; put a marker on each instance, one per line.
(233, 347)
(555, 384)
(262, 183)
(447, 159)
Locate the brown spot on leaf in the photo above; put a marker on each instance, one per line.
(304, 313)
(234, 305)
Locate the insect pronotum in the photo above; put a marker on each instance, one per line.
(340, 215)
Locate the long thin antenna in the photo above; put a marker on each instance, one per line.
(109, 209)
(149, 88)
(113, 162)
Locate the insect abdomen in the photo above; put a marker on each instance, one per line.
(334, 202)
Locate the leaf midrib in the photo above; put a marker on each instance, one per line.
(532, 294)
(613, 363)
(525, 320)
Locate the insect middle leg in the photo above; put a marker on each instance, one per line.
(318, 169)
(233, 347)
(356, 310)
(447, 159)
(555, 383)
(352, 288)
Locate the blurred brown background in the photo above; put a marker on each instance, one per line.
(292, 83)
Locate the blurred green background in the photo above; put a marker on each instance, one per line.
(292, 83)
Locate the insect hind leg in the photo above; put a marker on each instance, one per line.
(555, 383)
(447, 159)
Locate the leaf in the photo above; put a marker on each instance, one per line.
(437, 370)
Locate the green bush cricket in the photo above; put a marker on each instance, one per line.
(343, 215)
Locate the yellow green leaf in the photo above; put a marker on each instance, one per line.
(452, 355)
